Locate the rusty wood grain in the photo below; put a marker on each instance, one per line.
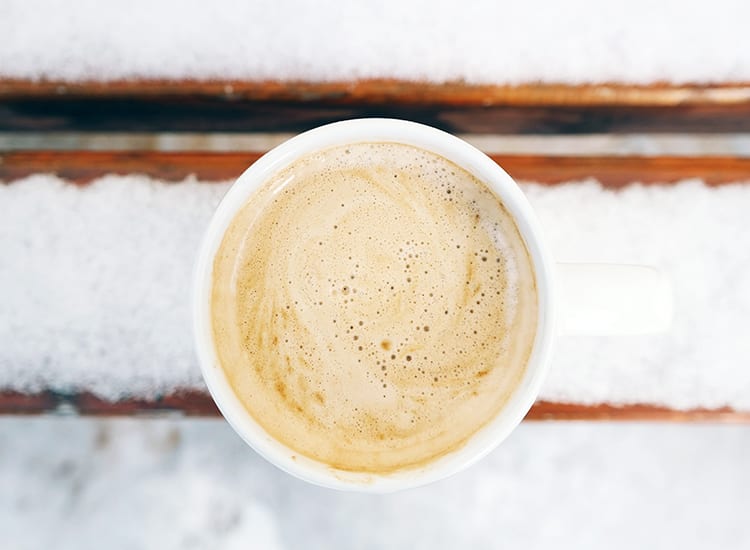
(269, 106)
(394, 91)
(199, 403)
(612, 171)
(181, 402)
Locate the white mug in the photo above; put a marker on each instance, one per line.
(573, 298)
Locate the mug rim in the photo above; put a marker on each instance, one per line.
(457, 151)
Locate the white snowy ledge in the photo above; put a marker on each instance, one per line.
(94, 287)
(483, 41)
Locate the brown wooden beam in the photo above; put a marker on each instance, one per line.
(199, 403)
(270, 106)
(379, 91)
(636, 412)
(613, 171)
(184, 403)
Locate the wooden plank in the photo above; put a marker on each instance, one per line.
(637, 412)
(155, 105)
(83, 166)
(188, 114)
(376, 91)
(184, 403)
(612, 171)
(200, 403)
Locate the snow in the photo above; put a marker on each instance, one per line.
(484, 41)
(95, 284)
(94, 287)
(82, 484)
(698, 236)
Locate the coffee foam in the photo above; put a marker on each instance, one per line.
(373, 306)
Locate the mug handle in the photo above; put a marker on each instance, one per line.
(600, 299)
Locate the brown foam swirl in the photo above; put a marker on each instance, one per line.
(373, 306)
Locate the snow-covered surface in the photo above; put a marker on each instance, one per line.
(94, 287)
(75, 484)
(483, 41)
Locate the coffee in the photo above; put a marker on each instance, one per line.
(373, 306)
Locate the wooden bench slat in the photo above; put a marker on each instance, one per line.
(376, 91)
(159, 105)
(199, 403)
(611, 171)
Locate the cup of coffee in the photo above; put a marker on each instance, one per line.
(375, 306)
